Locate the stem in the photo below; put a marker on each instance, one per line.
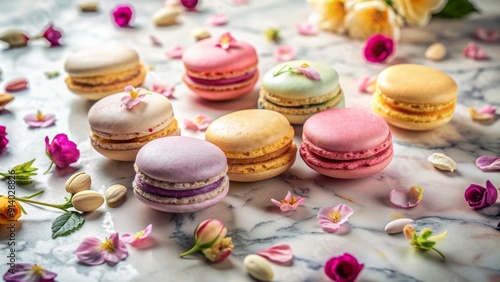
(193, 249)
(280, 71)
(33, 195)
(441, 254)
(61, 207)
(51, 164)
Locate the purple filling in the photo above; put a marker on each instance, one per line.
(223, 81)
(176, 193)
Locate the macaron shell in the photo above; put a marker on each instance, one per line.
(181, 159)
(346, 129)
(416, 84)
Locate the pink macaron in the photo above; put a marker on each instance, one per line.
(346, 143)
(220, 68)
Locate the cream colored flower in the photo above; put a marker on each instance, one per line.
(418, 12)
(328, 14)
(367, 18)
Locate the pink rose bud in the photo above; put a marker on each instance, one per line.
(61, 151)
(122, 15)
(344, 268)
(52, 35)
(14, 38)
(207, 234)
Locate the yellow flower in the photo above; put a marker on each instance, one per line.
(367, 18)
(328, 14)
(418, 12)
(10, 210)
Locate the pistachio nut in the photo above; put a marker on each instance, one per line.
(166, 16)
(78, 182)
(115, 194)
(5, 98)
(442, 162)
(258, 267)
(87, 201)
(435, 52)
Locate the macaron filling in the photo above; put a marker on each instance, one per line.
(223, 81)
(157, 191)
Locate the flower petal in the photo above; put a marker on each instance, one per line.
(487, 35)
(473, 51)
(175, 52)
(217, 20)
(491, 193)
(281, 253)
(306, 29)
(367, 84)
(285, 53)
(488, 163)
(88, 252)
(406, 198)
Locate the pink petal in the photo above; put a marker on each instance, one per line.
(488, 163)
(284, 53)
(199, 122)
(473, 51)
(406, 198)
(166, 90)
(239, 2)
(128, 238)
(310, 73)
(128, 88)
(306, 29)
(88, 252)
(490, 110)
(367, 84)
(281, 253)
(345, 212)
(288, 196)
(276, 202)
(175, 52)
(329, 226)
(155, 41)
(217, 20)
(485, 35)
(30, 118)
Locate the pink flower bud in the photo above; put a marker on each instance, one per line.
(209, 232)
(61, 151)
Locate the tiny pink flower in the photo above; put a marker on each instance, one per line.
(289, 203)
(344, 268)
(61, 151)
(378, 48)
(52, 35)
(281, 253)
(367, 84)
(138, 238)
(27, 272)
(331, 218)
(485, 114)
(479, 197)
(309, 72)
(93, 251)
(40, 120)
(487, 35)
(155, 41)
(135, 96)
(487, 163)
(406, 198)
(175, 52)
(473, 51)
(3, 138)
(225, 41)
(306, 29)
(166, 89)
(199, 122)
(122, 15)
(285, 53)
(217, 20)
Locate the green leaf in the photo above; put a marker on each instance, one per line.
(67, 223)
(456, 9)
(23, 172)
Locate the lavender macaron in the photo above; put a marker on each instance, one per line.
(180, 174)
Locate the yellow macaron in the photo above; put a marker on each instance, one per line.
(258, 144)
(414, 97)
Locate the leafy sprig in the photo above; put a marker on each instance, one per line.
(21, 173)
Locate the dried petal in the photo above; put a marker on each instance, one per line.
(281, 253)
(487, 35)
(217, 20)
(488, 163)
(473, 51)
(442, 162)
(306, 29)
(175, 52)
(406, 198)
(285, 53)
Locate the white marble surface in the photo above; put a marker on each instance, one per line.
(471, 247)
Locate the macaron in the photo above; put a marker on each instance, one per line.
(220, 68)
(346, 143)
(258, 144)
(414, 97)
(180, 174)
(118, 132)
(97, 72)
(287, 89)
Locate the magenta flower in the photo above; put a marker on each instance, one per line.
(166, 89)
(3, 138)
(189, 4)
(225, 41)
(281, 253)
(309, 72)
(344, 268)
(93, 251)
(217, 20)
(40, 120)
(175, 52)
(61, 151)
(289, 203)
(135, 95)
(487, 163)
(378, 48)
(52, 35)
(306, 29)
(331, 218)
(473, 51)
(406, 198)
(199, 122)
(480, 197)
(285, 53)
(122, 15)
(138, 238)
(27, 272)
(487, 35)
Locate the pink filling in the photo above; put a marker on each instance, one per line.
(223, 81)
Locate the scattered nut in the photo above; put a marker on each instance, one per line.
(199, 34)
(87, 201)
(435, 52)
(166, 16)
(17, 84)
(396, 226)
(89, 7)
(5, 98)
(115, 194)
(442, 162)
(258, 267)
(78, 182)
